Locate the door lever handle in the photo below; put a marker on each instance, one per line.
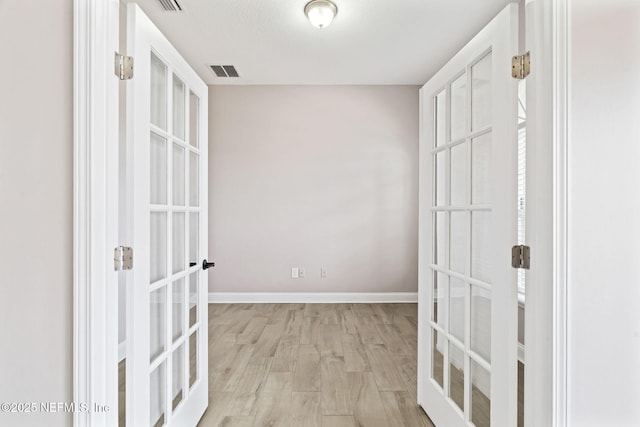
(206, 265)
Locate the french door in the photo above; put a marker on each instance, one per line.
(467, 361)
(167, 374)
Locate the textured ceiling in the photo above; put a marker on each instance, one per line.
(371, 42)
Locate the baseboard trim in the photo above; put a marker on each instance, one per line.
(312, 297)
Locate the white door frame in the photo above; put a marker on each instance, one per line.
(546, 336)
(560, 127)
(96, 28)
(95, 211)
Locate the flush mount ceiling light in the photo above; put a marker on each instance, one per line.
(320, 12)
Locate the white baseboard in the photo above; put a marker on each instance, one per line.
(122, 351)
(312, 297)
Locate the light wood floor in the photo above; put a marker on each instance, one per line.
(326, 365)
(304, 365)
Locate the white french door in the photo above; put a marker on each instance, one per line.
(467, 361)
(167, 373)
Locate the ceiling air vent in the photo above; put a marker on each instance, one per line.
(170, 5)
(225, 70)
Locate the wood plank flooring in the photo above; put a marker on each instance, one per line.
(325, 365)
(313, 365)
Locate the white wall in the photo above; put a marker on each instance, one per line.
(604, 214)
(314, 177)
(36, 208)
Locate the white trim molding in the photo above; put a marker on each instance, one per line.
(312, 297)
(561, 132)
(95, 169)
(547, 37)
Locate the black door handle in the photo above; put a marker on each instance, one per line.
(206, 265)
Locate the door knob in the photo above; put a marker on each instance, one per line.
(206, 265)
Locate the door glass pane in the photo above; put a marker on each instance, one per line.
(456, 375)
(194, 188)
(522, 102)
(194, 225)
(458, 242)
(522, 176)
(481, 322)
(459, 175)
(178, 242)
(193, 298)
(481, 93)
(481, 245)
(193, 359)
(158, 168)
(158, 319)
(157, 401)
(458, 107)
(440, 118)
(481, 170)
(457, 292)
(440, 239)
(194, 111)
(177, 383)
(178, 175)
(158, 92)
(437, 365)
(439, 288)
(480, 395)
(177, 314)
(158, 246)
(178, 107)
(440, 175)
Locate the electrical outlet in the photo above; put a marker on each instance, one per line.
(294, 272)
(323, 273)
(301, 273)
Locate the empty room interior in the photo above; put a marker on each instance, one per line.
(325, 213)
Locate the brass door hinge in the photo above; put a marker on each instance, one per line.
(122, 258)
(521, 66)
(521, 257)
(123, 66)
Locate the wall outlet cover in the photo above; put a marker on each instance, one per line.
(294, 272)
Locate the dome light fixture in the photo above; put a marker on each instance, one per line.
(320, 12)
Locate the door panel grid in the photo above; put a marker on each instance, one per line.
(465, 338)
(167, 101)
(170, 355)
(469, 117)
